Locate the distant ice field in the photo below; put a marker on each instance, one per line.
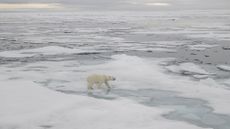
(171, 69)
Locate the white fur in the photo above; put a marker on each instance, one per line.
(98, 80)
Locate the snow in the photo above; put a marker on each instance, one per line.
(187, 69)
(201, 46)
(133, 72)
(200, 76)
(23, 101)
(49, 50)
(213, 35)
(223, 67)
(27, 105)
(37, 94)
(157, 49)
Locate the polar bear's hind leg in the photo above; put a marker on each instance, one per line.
(90, 86)
(99, 85)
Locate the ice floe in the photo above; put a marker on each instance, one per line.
(131, 72)
(49, 50)
(187, 69)
(137, 73)
(27, 105)
(201, 46)
(224, 67)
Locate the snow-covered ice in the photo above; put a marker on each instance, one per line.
(224, 67)
(201, 46)
(59, 110)
(24, 104)
(187, 69)
(131, 72)
(50, 50)
(45, 59)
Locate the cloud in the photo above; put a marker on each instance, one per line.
(157, 4)
(132, 4)
(151, 4)
(28, 6)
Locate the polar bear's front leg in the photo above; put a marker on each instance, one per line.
(107, 84)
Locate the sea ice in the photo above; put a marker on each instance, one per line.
(24, 104)
(187, 69)
(224, 67)
(49, 50)
(201, 46)
(131, 72)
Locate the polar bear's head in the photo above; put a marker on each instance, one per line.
(111, 78)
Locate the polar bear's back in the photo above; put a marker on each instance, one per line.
(96, 78)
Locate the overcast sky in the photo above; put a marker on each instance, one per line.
(118, 4)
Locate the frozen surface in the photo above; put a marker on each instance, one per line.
(224, 67)
(187, 69)
(31, 106)
(50, 50)
(46, 57)
(132, 73)
(201, 46)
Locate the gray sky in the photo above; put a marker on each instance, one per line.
(129, 4)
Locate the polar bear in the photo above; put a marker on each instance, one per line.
(98, 80)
